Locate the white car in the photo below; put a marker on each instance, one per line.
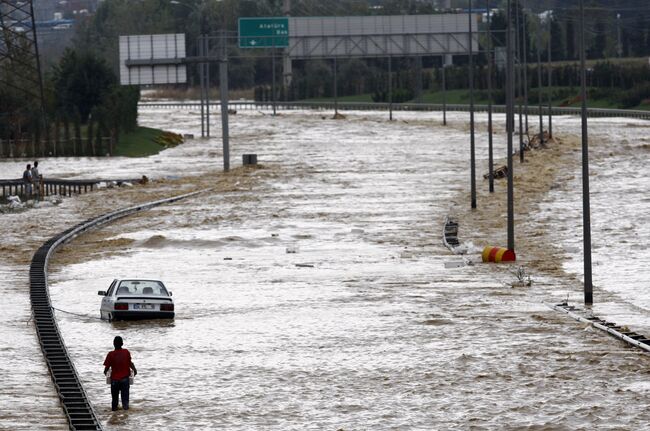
(136, 299)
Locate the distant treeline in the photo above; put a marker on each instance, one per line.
(626, 84)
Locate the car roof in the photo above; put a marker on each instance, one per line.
(138, 279)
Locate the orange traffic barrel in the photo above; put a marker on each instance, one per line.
(498, 254)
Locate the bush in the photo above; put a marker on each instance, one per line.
(633, 97)
(400, 95)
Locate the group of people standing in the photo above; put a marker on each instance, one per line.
(33, 181)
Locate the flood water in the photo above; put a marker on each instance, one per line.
(319, 299)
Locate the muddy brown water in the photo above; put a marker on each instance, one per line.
(362, 327)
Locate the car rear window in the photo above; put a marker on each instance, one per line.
(141, 287)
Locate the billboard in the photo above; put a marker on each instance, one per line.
(152, 59)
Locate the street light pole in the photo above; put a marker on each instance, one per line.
(586, 211)
(619, 47)
(525, 43)
(520, 91)
(539, 84)
(489, 89)
(550, 81)
(510, 125)
(444, 91)
(471, 112)
(223, 90)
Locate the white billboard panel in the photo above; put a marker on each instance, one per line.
(162, 48)
(376, 36)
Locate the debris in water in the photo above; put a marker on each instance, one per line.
(523, 279)
(500, 172)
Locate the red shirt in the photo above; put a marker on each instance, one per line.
(120, 363)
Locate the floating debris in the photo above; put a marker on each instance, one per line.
(500, 172)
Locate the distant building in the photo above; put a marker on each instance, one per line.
(44, 9)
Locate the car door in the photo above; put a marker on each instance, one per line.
(107, 302)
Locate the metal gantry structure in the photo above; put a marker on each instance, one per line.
(19, 56)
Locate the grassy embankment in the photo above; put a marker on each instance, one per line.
(145, 141)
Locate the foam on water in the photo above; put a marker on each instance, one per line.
(378, 333)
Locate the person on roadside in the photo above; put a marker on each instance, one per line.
(28, 180)
(119, 361)
(36, 180)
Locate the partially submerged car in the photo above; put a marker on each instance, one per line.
(136, 299)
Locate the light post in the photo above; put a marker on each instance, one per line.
(619, 47)
(489, 89)
(550, 79)
(510, 123)
(586, 211)
(204, 68)
(471, 111)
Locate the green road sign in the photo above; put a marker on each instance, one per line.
(263, 32)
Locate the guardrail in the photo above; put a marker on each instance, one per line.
(55, 186)
(76, 405)
(371, 106)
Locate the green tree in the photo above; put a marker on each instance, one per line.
(81, 81)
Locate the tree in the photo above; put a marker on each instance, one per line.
(570, 41)
(597, 49)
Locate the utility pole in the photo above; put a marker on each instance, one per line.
(550, 80)
(539, 84)
(619, 47)
(206, 53)
(223, 90)
(489, 89)
(586, 211)
(200, 48)
(519, 85)
(444, 91)
(287, 72)
(525, 43)
(336, 93)
(510, 124)
(390, 88)
(471, 110)
(273, 97)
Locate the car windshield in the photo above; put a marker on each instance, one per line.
(141, 287)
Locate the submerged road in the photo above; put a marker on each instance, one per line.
(377, 334)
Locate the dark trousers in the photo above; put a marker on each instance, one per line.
(120, 387)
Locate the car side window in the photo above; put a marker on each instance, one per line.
(111, 288)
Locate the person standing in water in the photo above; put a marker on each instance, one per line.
(27, 179)
(36, 181)
(119, 361)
